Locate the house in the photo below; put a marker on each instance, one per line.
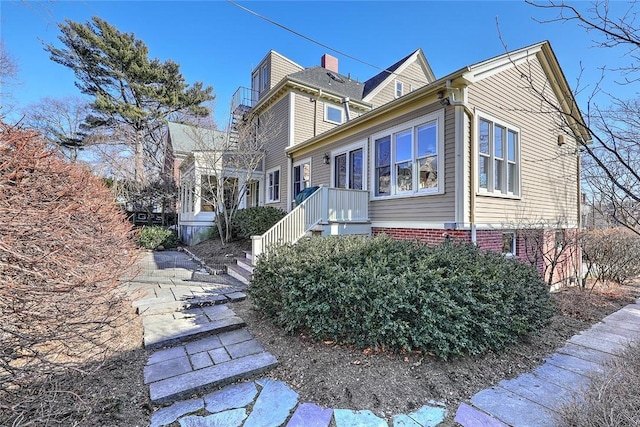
(473, 155)
(205, 158)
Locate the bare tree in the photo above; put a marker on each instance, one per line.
(224, 168)
(60, 122)
(613, 144)
(8, 76)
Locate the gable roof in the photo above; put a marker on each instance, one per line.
(471, 74)
(187, 138)
(385, 76)
(328, 80)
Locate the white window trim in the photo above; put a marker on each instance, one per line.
(490, 190)
(438, 117)
(264, 83)
(295, 165)
(266, 187)
(398, 85)
(514, 245)
(326, 113)
(345, 150)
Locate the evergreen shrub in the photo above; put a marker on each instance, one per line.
(255, 221)
(155, 236)
(448, 300)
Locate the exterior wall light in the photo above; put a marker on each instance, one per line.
(326, 158)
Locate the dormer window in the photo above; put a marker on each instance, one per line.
(260, 81)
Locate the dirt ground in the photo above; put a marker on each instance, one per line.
(109, 392)
(387, 383)
(112, 393)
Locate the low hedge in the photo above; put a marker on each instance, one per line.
(255, 221)
(155, 236)
(448, 300)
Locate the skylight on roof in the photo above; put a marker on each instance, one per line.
(335, 77)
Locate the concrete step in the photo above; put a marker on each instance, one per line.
(245, 264)
(248, 255)
(239, 273)
(161, 330)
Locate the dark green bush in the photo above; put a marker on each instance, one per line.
(450, 300)
(153, 237)
(255, 221)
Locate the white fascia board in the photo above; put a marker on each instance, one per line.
(501, 63)
(391, 77)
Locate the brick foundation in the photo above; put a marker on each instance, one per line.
(527, 245)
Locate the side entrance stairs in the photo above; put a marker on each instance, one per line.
(199, 343)
(242, 269)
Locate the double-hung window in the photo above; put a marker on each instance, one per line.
(301, 176)
(399, 89)
(273, 185)
(408, 157)
(498, 157)
(348, 169)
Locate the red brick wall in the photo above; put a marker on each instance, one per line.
(491, 240)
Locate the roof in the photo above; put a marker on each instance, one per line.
(328, 80)
(471, 74)
(374, 81)
(187, 138)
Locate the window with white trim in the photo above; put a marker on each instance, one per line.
(333, 114)
(301, 176)
(348, 169)
(407, 158)
(399, 88)
(509, 244)
(498, 157)
(265, 77)
(273, 185)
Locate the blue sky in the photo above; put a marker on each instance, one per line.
(218, 43)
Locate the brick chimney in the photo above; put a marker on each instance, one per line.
(329, 62)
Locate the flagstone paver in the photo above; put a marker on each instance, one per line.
(273, 405)
(365, 418)
(310, 415)
(231, 397)
(202, 358)
(170, 414)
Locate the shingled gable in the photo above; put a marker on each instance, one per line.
(378, 81)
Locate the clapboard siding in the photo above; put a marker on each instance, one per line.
(549, 180)
(436, 208)
(276, 149)
(280, 68)
(412, 75)
(424, 208)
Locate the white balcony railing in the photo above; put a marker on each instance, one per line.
(322, 207)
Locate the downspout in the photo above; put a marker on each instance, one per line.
(472, 164)
(345, 102)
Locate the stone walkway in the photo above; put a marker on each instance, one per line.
(202, 347)
(533, 399)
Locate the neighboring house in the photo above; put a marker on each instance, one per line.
(473, 155)
(210, 156)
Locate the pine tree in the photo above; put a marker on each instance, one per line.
(130, 91)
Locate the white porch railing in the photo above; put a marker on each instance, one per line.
(324, 206)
